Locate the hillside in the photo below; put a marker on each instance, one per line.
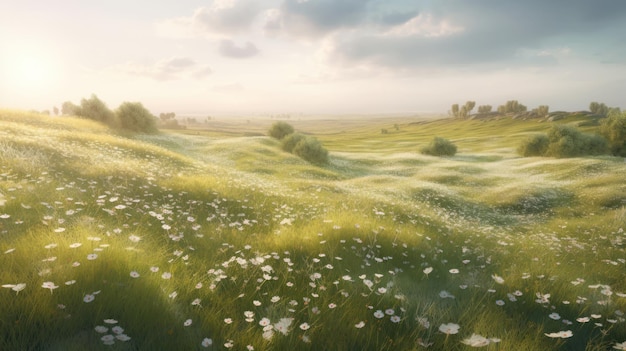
(210, 239)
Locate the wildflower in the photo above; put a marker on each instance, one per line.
(188, 322)
(206, 342)
(454, 271)
(382, 290)
(264, 322)
(620, 346)
(75, 245)
(332, 305)
(49, 285)
(117, 329)
(498, 279)
(394, 319)
(110, 321)
(154, 269)
(166, 275)
(500, 302)
(476, 341)
(108, 339)
(449, 328)
(88, 298)
(196, 302)
(92, 256)
(554, 316)
(582, 319)
(257, 303)
(283, 325)
(305, 326)
(134, 274)
(228, 320)
(101, 329)
(379, 314)
(562, 334)
(134, 238)
(389, 311)
(445, 295)
(275, 299)
(360, 325)
(16, 287)
(122, 337)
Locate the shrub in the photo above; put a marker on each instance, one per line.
(290, 141)
(279, 130)
(93, 108)
(568, 141)
(132, 116)
(535, 145)
(614, 129)
(310, 149)
(440, 147)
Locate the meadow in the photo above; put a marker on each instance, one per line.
(211, 239)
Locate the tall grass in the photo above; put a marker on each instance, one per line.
(178, 239)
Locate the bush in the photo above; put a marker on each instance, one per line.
(93, 108)
(440, 147)
(290, 141)
(279, 130)
(132, 116)
(568, 141)
(535, 145)
(310, 149)
(613, 128)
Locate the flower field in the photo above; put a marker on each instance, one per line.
(208, 242)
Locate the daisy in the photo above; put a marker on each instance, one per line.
(620, 346)
(188, 322)
(360, 325)
(498, 279)
(476, 341)
(88, 298)
(305, 326)
(562, 334)
(134, 274)
(206, 342)
(449, 328)
(379, 314)
(395, 319)
(92, 256)
(49, 285)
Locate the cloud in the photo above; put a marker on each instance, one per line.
(315, 18)
(174, 68)
(221, 18)
(480, 32)
(228, 48)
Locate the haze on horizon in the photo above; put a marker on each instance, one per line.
(238, 57)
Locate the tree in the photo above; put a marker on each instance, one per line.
(55, 110)
(167, 116)
(598, 108)
(484, 108)
(463, 113)
(542, 110)
(69, 109)
(613, 128)
(511, 106)
(280, 129)
(132, 116)
(455, 110)
(95, 109)
(469, 106)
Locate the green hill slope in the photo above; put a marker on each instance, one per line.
(187, 242)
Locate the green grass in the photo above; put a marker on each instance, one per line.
(221, 228)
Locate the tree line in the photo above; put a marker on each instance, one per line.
(514, 106)
(129, 116)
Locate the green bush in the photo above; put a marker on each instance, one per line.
(440, 147)
(291, 140)
(311, 150)
(132, 116)
(568, 141)
(613, 128)
(535, 145)
(95, 109)
(279, 130)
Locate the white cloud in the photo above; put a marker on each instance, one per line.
(424, 26)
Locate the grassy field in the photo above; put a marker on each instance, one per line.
(217, 239)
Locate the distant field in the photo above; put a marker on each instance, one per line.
(214, 238)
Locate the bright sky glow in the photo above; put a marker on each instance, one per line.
(245, 57)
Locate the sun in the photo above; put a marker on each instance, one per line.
(27, 70)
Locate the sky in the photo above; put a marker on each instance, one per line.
(244, 57)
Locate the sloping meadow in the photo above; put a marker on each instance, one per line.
(187, 242)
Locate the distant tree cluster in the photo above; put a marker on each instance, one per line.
(303, 146)
(613, 128)
(463, 111)
(512, 106)
(130, 116)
